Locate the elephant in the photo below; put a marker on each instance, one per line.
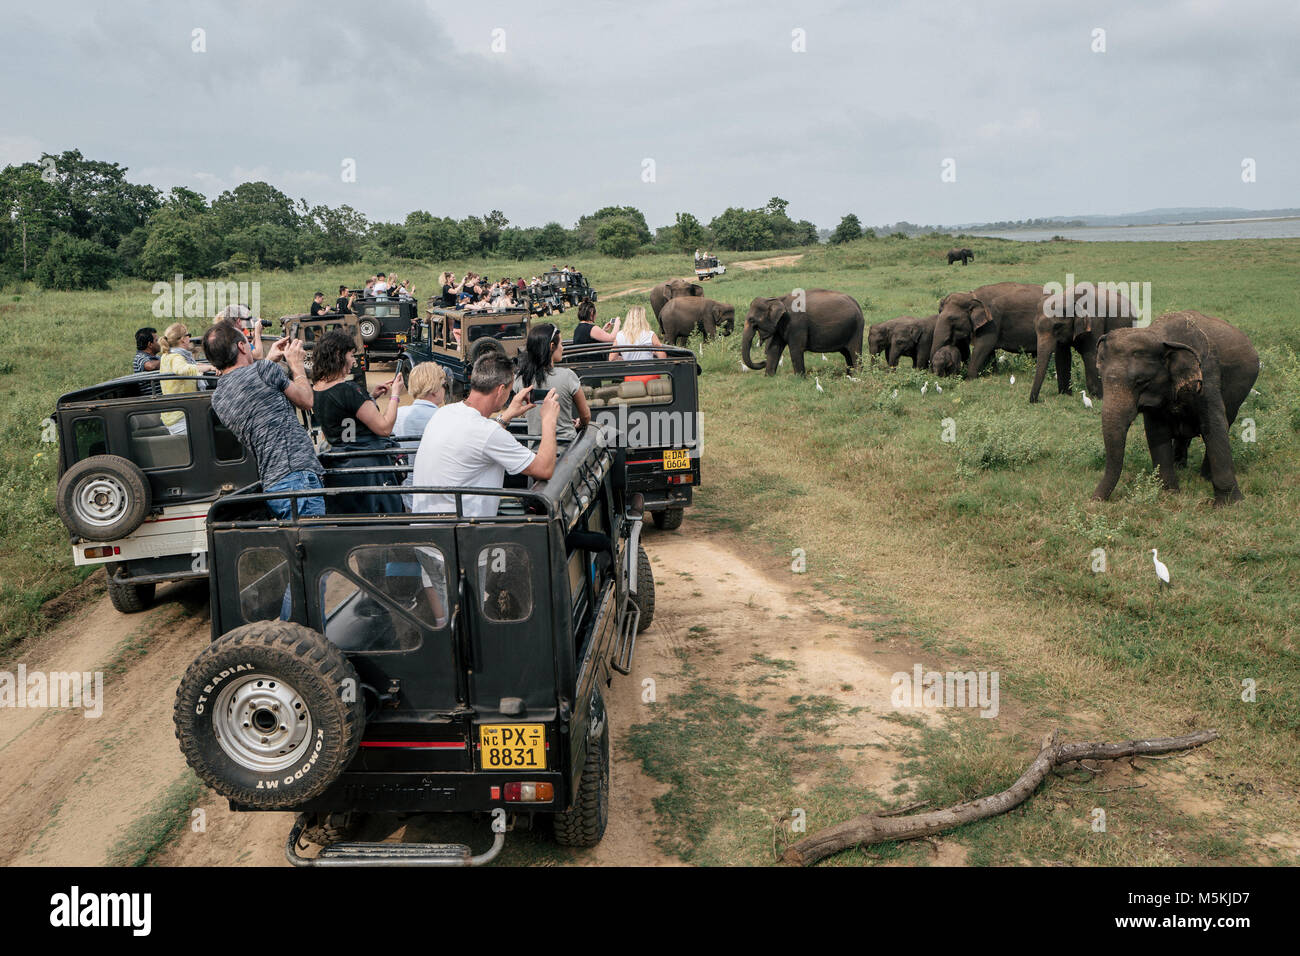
(813, 320)
(905, 335)
(671, 290)
(946, 360)
(683, 315)
(1077, 321)
(1187, 373)
(998, 316)
(965, 255)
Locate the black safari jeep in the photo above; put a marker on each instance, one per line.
(571, 287)
(137, 474)
(387, 326)
(311, 329)
(650, 409)
(419, 663)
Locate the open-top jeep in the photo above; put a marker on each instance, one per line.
(137, 474)
(570, 287)
(648, 408)
(421, 662)
(311, 329)
(456, 337)
(387, 326)
(706, 267)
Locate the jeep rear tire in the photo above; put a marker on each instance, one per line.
(645, 589)
(326, 828)
(670, 519)
(369, 330)
(129, 598)
(103, 498)
(264, 718)
(584, 824)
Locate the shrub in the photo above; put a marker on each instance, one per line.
(988, 442)
(71, 263)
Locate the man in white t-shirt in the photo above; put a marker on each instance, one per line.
(462, 446)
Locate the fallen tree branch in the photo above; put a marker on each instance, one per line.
(875, 828)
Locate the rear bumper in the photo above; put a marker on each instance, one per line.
(430, 793)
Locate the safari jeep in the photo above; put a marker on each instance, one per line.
(421, 663)
(387, 326)
(134, 489)
(456, 336)
(649, 409)
(311, 329)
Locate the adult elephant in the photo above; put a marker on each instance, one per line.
(906, 335)
(965, 255)
(1187, 373)
(813, 320)
(683, 315)
(671, 289)
(1077, 321)
(1000, 316)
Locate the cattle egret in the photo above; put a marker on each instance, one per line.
(818, 382)
(1162, 572)
(1001, 358)
(823, 358)
(924, 387)
(1013, 380)
(895, 395)
(1087, 402)
(938, 388)
(1253, 392)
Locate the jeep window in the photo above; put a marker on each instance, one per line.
(88, 434)
(225, 445)
(151, 440)
(505, 583)
(608, 390)
(263, 576)
(356, 622)
(412, 577)
(508, 330)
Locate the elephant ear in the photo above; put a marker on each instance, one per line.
(908, 336)
(1184, 369)
(979, 315)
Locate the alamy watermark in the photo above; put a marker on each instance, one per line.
(922, 688)
(81, 690)
(179, 299)
(1122, 300)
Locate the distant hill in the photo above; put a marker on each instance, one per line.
(1147, 217)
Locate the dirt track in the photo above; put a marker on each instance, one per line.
(70, 787)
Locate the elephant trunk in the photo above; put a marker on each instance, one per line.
(744, 347)
(1116, 417)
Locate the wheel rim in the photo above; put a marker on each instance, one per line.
(262, 723)
(367, 329)
(100, 500)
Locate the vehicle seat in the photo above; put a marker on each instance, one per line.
(631, 393)
(660, 388)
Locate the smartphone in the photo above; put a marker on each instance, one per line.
(537, 395)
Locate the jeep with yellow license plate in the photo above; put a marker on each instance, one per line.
(420, 663)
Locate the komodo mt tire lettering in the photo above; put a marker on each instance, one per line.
(261, 714)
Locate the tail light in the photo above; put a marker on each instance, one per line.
(679, 479)
(525, 792)
(104, 552)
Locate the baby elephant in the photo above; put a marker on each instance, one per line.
(946, 361)
(1187, 373)
(965, 255)
(905, 335)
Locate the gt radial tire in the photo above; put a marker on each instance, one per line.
(670, 519)
(369, 330)
(326, 828)
(130, 598)
(584, 825)
(103, 498)
(645, 589)
(262, 715)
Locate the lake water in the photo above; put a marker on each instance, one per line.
(1174, 232)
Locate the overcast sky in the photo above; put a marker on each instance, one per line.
(562, 121)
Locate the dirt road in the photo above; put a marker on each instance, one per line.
(746, 265)
(71, 787)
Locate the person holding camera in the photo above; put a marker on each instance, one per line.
(242, 320)
(343, 304)
(537, 372)
(462, 446)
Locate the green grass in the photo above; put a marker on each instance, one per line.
(149, 835)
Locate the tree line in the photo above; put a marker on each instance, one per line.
(77, 223)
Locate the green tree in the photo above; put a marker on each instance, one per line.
(848, 230)
(553, 240)
(618, 237)
(72, 263)
(518, 244)
(586, 230)
(737, 228)
(178, 243)
(690, 233)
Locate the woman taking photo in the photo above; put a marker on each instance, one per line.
(537, 370)
(177, 360)
(351, 420)
(587, 330)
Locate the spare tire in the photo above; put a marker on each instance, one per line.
(369, 330)
(103, 498)
(482, 346)
(269, 715)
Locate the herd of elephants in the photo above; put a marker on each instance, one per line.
(1187, 373)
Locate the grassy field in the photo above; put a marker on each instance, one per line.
(983, 546)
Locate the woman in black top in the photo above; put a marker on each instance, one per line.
(587, 332)
(351, 420)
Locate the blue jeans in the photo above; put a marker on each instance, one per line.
(282, 508)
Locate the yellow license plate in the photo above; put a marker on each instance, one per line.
(400, 338)
(677, 460)
(512, 747)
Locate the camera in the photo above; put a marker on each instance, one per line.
(537, 395)
(247, 324)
